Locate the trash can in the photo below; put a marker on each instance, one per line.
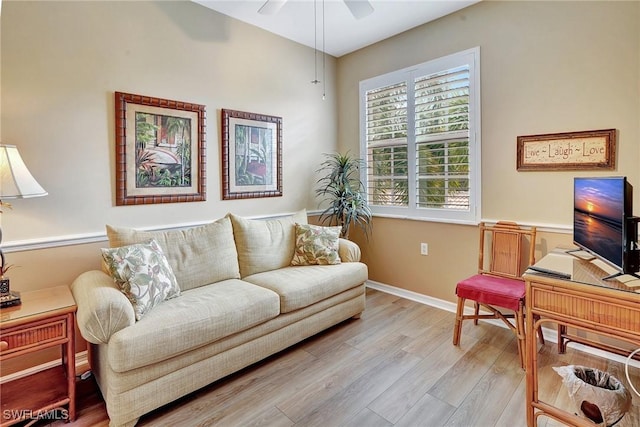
(597, 395)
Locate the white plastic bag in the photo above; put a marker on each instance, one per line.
(597, 395)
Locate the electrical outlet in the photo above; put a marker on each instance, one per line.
(424, 249)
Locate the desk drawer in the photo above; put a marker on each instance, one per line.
(37, 334)
(599, 312)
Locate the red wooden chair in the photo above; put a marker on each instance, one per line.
(498, 287)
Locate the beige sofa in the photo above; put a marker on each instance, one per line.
(240, 302)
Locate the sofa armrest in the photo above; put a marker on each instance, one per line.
(103, 309)
(348, 251)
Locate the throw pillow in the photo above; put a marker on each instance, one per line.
(316, 245)
(265, 244)
(143, 274)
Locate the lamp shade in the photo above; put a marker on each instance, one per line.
(16, 181)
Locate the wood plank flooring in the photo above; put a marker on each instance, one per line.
(396, 366)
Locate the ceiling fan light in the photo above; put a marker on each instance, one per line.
(271, 7)
(359, 8)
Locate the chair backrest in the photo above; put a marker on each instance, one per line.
(511, 249)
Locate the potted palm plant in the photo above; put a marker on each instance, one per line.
(344, 194)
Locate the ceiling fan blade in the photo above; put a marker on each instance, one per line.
(271, 7)
(359, 8)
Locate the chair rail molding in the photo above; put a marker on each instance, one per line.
(101, 236)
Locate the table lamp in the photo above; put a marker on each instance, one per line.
(16, 182)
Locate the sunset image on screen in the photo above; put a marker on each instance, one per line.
(600, 198)
(599, 216)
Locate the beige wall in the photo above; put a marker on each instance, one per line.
(545, 67)
(62, 62)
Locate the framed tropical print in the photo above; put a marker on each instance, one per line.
(160, 150)
(251, 155)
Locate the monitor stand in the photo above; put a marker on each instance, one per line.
(575, 252)
(589, 257)
(613, 276)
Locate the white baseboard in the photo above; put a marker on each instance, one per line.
(81, 360)
(549, 334)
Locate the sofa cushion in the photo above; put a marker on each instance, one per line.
(316, 245)
(302, 286)
(143, 274)
(198, 255)
(199, 317)
(265, 245)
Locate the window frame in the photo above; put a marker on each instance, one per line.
(408, 75)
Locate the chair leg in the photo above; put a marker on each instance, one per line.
(457, 329)
(520, 331)
(477, 312)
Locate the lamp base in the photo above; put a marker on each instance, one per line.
(10, 299)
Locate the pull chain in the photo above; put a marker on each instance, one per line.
(315, 81)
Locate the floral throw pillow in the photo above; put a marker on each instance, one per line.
(143, 274)
(316, 245)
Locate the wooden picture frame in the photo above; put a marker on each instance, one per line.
(586, 150)
(251, 155)
(160, 150)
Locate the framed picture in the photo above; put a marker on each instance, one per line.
(594, 149)
(251, 155)
(160, 150)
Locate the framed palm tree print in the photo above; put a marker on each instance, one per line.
(251, 155)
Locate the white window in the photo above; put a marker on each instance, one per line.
(420, 138)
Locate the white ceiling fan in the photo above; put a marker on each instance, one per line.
(359, 8)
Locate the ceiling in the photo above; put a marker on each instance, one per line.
(344, 33)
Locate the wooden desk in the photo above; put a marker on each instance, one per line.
(585, 302)
(46, 318)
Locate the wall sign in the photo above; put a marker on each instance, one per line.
(595, 149)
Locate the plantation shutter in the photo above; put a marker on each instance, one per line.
(442, 139)
(386, 139)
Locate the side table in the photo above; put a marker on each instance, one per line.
(46, 318)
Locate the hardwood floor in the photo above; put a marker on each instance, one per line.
(396, 366)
